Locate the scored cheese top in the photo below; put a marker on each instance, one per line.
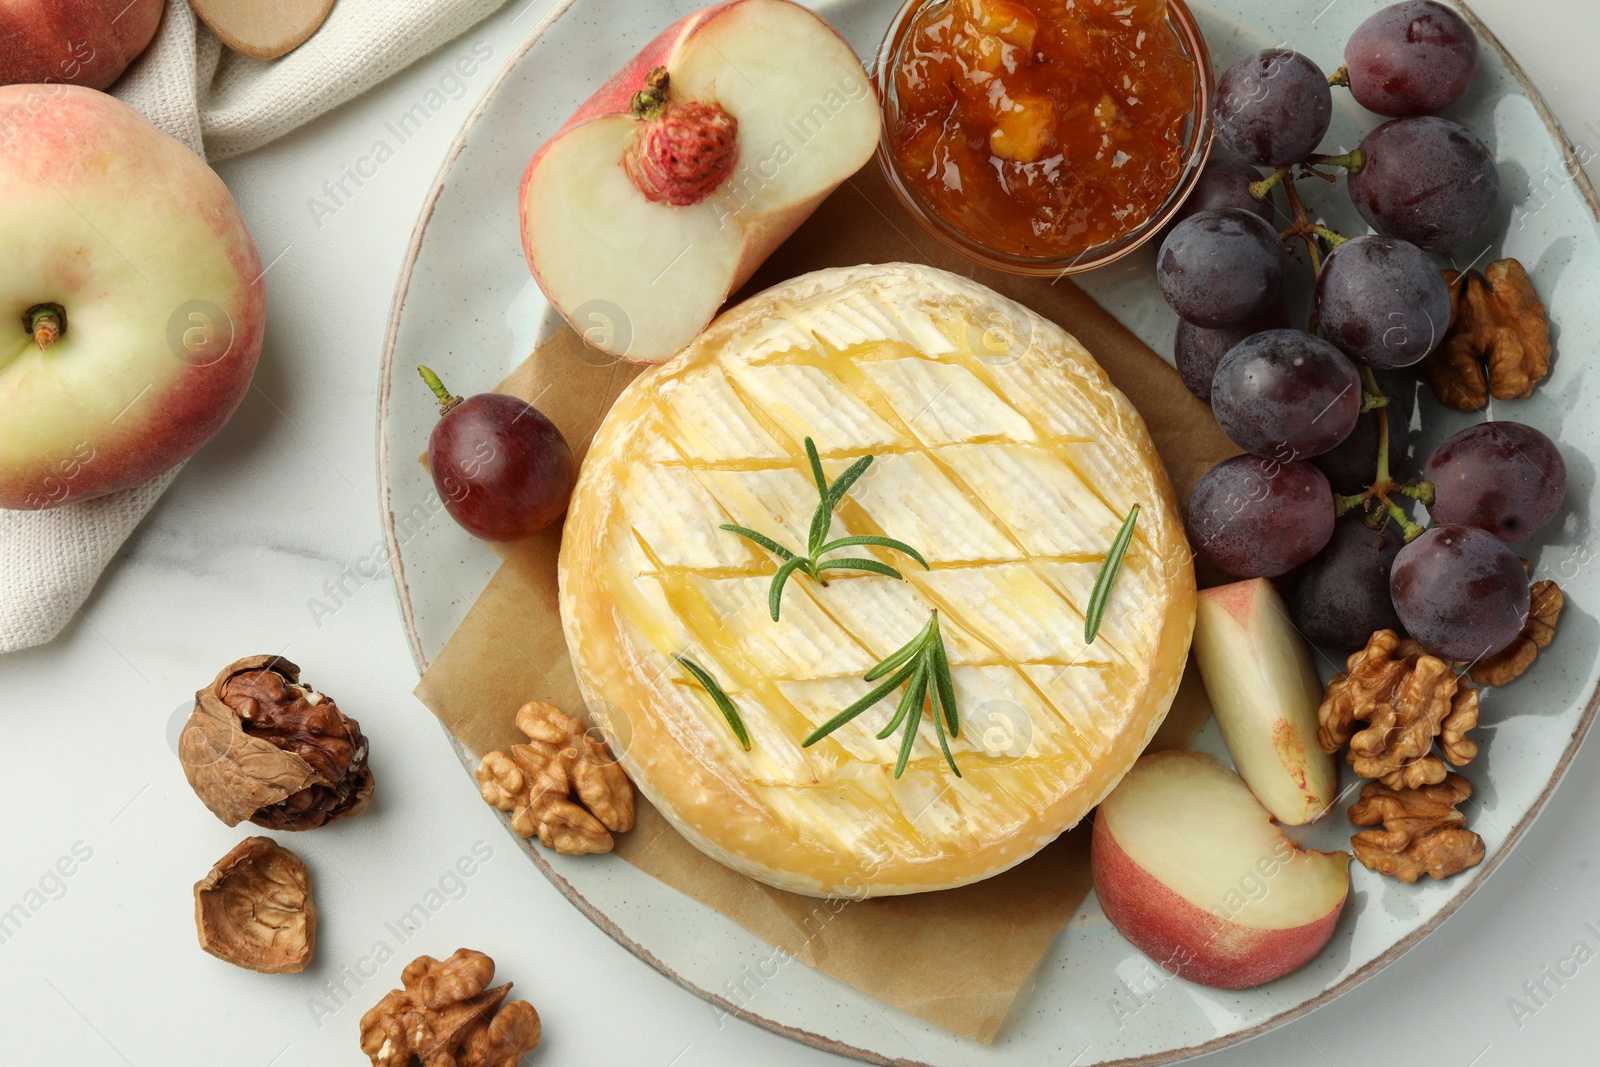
(1002, 453)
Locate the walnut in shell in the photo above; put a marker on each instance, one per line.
(1407, 698)
(537, 783)
(261, 746)
(1422, 833)
(254, 908)
(447, 1016)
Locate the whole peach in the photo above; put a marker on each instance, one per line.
(76, 42)
(131, 301)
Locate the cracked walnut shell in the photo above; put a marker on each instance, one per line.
(1498, 341)
(263, 747)
(1422, 833)
(447, 1016)
(536, 783)
(254, 908)
(1512, 662)
(1407, 698)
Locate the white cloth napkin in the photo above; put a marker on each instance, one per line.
(220, 104)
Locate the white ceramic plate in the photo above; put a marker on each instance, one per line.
(467, 306)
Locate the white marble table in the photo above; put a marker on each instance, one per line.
(277, 521)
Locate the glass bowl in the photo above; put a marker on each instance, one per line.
(1196, 147)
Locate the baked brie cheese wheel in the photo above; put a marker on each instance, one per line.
(1002, 453)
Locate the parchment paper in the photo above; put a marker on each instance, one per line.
(960, 958)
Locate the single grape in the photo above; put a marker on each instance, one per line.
(1425, 180)
(1460, 592)
(1503, 477)
(1218, 268)
(1259, 518)
(1382, 301)
(1198, 350)
(1343, 594)
(1225, 183)
(502, 469)
(1273, 107)
(1285, 394)
(1415, 58)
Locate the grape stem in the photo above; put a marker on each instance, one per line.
(1263, 188)
(1354, 161)
(1310, 229)
(446, 400)
(1369, 387)
(1421, 492)
(1339, 77)
(1376, 501)
(1304, 228)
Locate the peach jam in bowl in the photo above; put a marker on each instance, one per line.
(1044, 137)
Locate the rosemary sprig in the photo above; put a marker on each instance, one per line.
(1107, 577)
(811, 564)
(724, 703)
(923, 664)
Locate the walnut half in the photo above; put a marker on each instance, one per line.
(536, 783)
(261, 746)
(1422, 833)
(1407, 698)
(254, 908)
(1498, 341)
(1545, 601)
(447, 1016)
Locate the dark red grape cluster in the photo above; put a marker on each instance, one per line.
(1314, 496)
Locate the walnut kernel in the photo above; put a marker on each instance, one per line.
(1498, 341)
(254, 908)
(447, 1016)
(1407, 698)
(1422, 833)
(1512, 662)
(536, 783)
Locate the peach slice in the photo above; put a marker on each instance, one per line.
(1189, 867)
(1265, 691)
(680, 175)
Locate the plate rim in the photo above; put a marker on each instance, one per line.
(1586, 189)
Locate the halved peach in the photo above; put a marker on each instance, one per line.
(683, 172)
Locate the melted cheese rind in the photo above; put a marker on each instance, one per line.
(1010, 469)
